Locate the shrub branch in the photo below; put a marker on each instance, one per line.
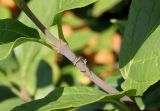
(63, 48)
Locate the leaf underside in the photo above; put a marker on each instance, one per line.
(70, 97)
(139, 56)
(14, 33)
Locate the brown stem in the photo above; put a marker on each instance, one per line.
(63, 49)
(24, 95)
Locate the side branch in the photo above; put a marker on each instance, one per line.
(83, 68)
(64, 49)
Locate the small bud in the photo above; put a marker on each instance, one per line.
(19, 3)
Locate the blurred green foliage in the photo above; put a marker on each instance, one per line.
(39, 70)
(5, 12)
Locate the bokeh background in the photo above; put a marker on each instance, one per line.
(94, 32)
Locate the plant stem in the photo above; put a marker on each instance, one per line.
(64, 49)
(59, 24)
(22, 94)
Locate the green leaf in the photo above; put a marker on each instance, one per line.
(22, 67)
(3, 79)
(62, 5)
(46, 11)
(102, 6)
(150, 99)
(44, 82)
(89, 107)
(73, 21)
(115, 79)
(139, 56)
(11, 61)
(6, 71)
(100, 106)
(79, 39)
(31, 71)
(42, 92)
(69, 97)
(151, 96)
(5, 12)
(28, 64)
(14, 33)
(9, 104)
